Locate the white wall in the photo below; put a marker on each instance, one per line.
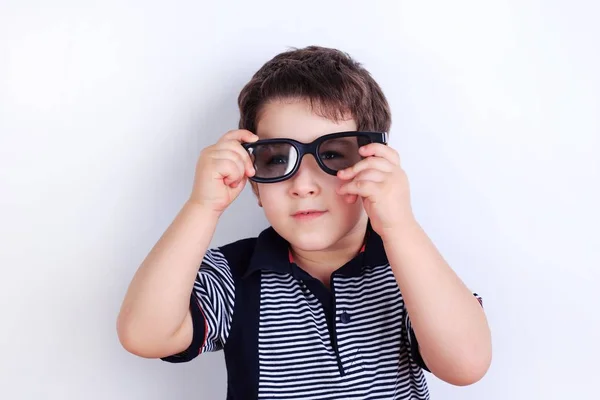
(105, 106)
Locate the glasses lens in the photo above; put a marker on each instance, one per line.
(340, 153)
(273, 160)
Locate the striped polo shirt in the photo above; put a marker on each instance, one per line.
(285, 335)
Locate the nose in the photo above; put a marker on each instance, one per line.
(304, 182)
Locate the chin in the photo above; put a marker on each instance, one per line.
(311, 241)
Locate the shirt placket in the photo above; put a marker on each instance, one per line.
(343, 323)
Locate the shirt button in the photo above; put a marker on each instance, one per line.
(345, 317)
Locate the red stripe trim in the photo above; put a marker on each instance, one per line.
(205, 327)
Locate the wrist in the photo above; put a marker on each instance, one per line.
(201, 211)
(399, 231)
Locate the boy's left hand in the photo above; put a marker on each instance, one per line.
(383, 186)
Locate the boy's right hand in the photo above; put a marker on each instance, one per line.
(222, 171)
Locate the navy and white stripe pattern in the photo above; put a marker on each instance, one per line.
(214, 290)
(286, 336)
(297, 358)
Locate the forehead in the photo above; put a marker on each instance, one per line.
(295, 119)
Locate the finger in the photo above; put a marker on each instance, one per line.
(233, 178)
(372, 175)
(377, 163)
(350, 198)
(235, 146)
(239, 135)
(238, 183)
(227, 154)
(361, 188)
(380, 150)
(227, 171)
(233, 182)
(225, 161)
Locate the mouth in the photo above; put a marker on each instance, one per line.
(308, 214)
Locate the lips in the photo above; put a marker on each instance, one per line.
(308, 214)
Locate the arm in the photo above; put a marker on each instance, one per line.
(155, 319)
(448, 321)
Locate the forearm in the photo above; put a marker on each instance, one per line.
(449, 322)
(157, 301)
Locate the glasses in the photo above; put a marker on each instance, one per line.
(276, 160)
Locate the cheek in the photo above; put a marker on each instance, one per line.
(335, 185)
(272, 197)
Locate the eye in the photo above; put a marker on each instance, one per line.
(277, 159)
(330, 155)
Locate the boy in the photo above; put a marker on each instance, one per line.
(343, 296)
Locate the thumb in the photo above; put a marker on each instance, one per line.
(240, 135)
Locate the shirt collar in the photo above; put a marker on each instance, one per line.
(272, 253)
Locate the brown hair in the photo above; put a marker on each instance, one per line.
(333, 83)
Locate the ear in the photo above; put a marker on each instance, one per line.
(256, 192)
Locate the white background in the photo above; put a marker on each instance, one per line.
(105, 106)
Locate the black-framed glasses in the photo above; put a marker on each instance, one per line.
(276, 160)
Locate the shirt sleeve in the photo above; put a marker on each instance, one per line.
(412, 338)
(211, 306)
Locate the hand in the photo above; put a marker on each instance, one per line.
(222, 171)
(382, 185)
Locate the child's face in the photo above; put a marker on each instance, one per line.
(310, 188)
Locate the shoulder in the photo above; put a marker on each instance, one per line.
(236, 255)
(245, 256)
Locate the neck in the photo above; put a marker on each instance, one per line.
(322, 263)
